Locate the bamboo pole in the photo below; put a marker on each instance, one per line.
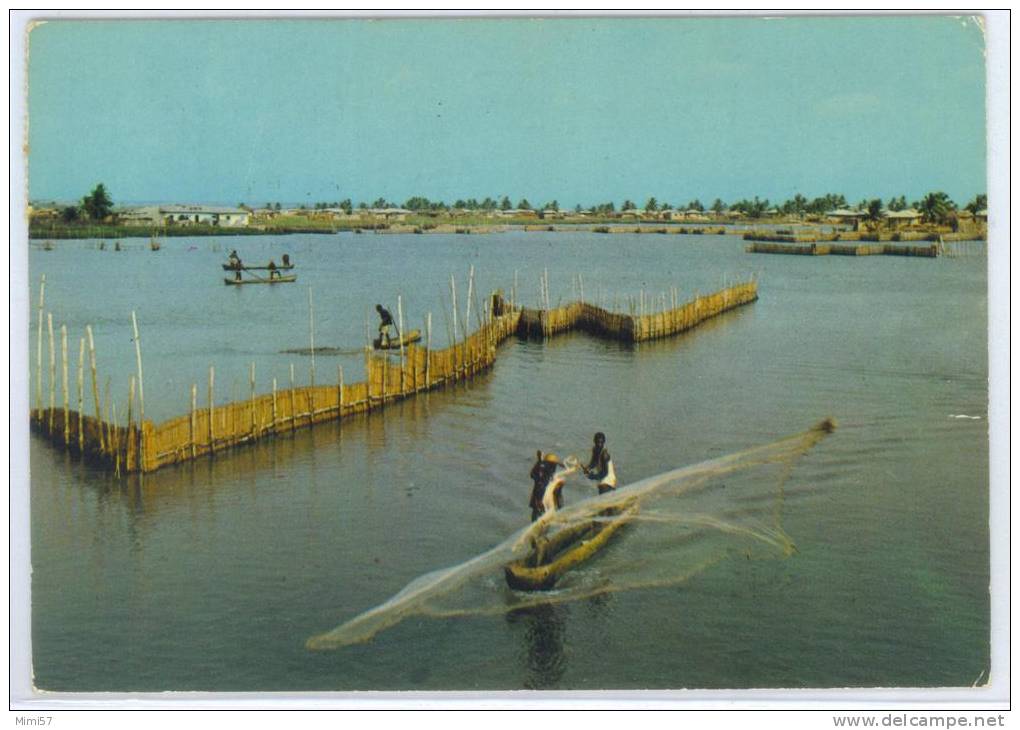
(580, 283)
(53, 374)
(39, 348)
(400, 338)
(130, 411)
(106, 422)
(141, 390)
(81, 393)
(274, 405)
(193, 421)
(212, 435)
(339, 390)
(368, 377)
(95, 383)
(453, 299)
(311, 336)
(428, 349)
(293, 402)
(251, 383)
(478, 307)
(467, 309)
(63, 366)
(116, 440)
(513, 292)
(446, 320)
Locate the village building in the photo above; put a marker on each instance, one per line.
(183, 215)
(147, 215)
(519, 213)
(847, 217)
(390, 214)
(902, 218)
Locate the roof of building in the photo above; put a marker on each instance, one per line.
(844, 213)
(213, 209)
(905, 213)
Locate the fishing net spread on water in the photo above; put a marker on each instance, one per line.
(672, 526)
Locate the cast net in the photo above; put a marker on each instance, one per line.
(670, 527)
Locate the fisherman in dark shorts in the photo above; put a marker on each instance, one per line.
(540, 478)
(273, 272)
(600, 468)
(386, 321)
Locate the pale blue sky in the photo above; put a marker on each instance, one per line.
(581, 110)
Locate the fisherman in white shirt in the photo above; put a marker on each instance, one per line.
(600, 469)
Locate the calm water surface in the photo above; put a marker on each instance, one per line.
(211, 576)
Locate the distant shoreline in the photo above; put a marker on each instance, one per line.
(750, 229)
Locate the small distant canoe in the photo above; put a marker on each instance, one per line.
(279, 267)
(407, 339)
(267, 280)
(567, 549)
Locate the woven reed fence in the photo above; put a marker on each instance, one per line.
(823, 249)
(391, 376)
(636, 328)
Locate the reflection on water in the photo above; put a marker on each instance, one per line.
(543, 638)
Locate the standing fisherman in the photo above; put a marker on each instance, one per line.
(557, 474)
(539, 478)
(600, 468)
(386, 321)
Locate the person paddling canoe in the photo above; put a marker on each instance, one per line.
(235, 263)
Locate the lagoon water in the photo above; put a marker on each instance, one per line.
(212, 575)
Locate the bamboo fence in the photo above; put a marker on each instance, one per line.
(823, 249)
(208, 428)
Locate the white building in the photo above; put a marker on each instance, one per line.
(204, 215)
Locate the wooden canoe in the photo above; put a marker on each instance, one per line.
(245, 267)
(407, 339)
(267, 280)
(567, 549)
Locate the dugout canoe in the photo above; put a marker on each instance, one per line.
(267, 280)
(567, 549)
(407, 339)
(245, 267)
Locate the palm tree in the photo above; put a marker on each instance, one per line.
(980, 202)
(875, 213)
(935, 207)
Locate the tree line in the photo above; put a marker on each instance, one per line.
(934, 207)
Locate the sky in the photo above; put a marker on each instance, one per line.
(580, 110)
